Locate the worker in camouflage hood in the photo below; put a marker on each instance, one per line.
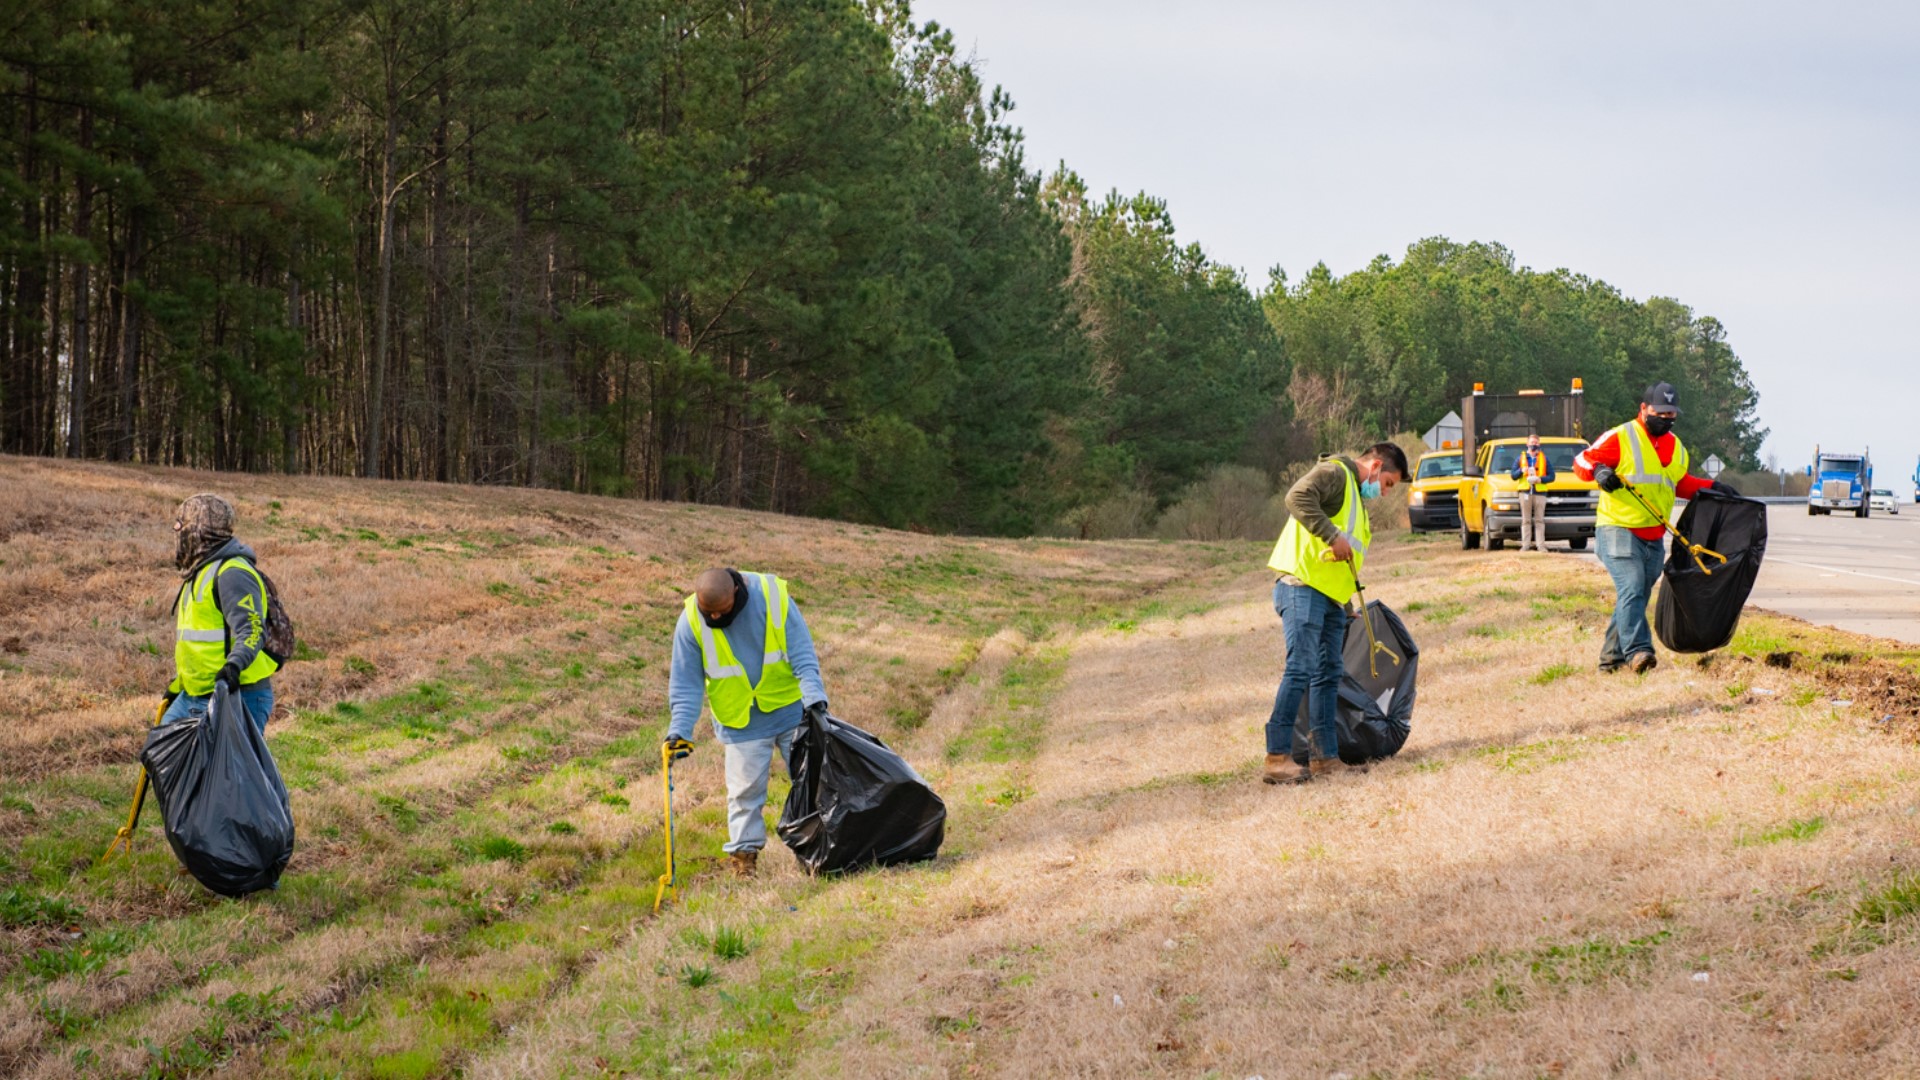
(1641, 468)
(742, 648)
(219, 614)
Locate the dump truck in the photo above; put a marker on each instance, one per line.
(1840, 481)
(1494, 431)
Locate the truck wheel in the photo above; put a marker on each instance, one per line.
(1863, 511)
(1469, 540)
(1813, 511)
(1578, 543)
(1494, 541)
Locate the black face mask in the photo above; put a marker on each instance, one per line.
(739, 604)
(1658, 425)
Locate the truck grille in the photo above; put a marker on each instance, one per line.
(1836, 490)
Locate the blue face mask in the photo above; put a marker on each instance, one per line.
(1370, 489)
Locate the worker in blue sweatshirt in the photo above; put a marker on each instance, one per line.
(742, 649)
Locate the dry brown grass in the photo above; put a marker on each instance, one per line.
(1532, 888)
(1529, 890)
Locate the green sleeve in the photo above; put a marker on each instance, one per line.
(1316, 497)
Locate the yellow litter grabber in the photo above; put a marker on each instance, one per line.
(1693, 549)
(1374, 648)
(123, 840)
(669, 752)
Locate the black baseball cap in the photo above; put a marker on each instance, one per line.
(1662, 398)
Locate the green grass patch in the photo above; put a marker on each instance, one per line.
(1893, 902)
(1553, 673)
(1013, 721)
(1795, 830)
(1443, 612)
(1530, 757)
(728, 943)
(693, 977)
(20, 907)
(494, 849)
(1596, 960)
(404, 815)
(1570, 604)
(91, 953)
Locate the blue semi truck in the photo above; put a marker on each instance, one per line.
(1840, 482)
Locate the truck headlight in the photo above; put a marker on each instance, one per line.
(1418, 498)
(1506, 506)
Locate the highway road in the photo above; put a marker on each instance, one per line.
(1862, 576)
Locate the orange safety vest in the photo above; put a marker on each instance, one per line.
(1534, 463)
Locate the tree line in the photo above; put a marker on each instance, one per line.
(780, 254)
(1393, 346)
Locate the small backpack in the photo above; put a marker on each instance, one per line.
(276, 635)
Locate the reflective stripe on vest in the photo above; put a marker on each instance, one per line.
(1658, 485)
(200, 632)
(729, 694)
(1300, 553)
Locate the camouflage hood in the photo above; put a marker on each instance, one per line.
(205, 523)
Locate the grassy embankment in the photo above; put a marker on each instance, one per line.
(1535, 886)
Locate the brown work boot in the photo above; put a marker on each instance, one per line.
(742, 863)
(1644, 662)
(1280, 769)
(1329, 767)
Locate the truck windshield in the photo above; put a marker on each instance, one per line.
(1447, 465)
(1561, 454)
(1840, 464)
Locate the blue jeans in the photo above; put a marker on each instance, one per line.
(258, 698)
(1635, 566)
(1316, 630)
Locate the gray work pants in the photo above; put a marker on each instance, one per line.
(748, 767)
(1533, 520)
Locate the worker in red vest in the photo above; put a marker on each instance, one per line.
(1642, 454)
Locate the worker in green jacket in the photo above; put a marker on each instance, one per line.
(1318, 559)
(220, 615)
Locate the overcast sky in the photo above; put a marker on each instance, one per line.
(1758, 161)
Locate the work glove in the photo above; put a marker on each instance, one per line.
(1608, 479)
(229, 677)
(677, 749)
(815, 712)
(1724, 489)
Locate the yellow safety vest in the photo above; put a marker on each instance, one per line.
(200, 633)
(1301, 554)
(1640, 466)
(729, 694)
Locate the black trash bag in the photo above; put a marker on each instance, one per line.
(1698, 612)
(226, 809)
(1375, 714)
(856, 803)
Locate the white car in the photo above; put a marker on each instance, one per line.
(1883, 501)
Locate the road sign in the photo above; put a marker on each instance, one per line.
(1713, 466)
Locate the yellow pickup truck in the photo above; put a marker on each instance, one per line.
(1490, 496)
(1433, 503)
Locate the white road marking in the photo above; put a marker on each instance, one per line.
(1842, 570)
